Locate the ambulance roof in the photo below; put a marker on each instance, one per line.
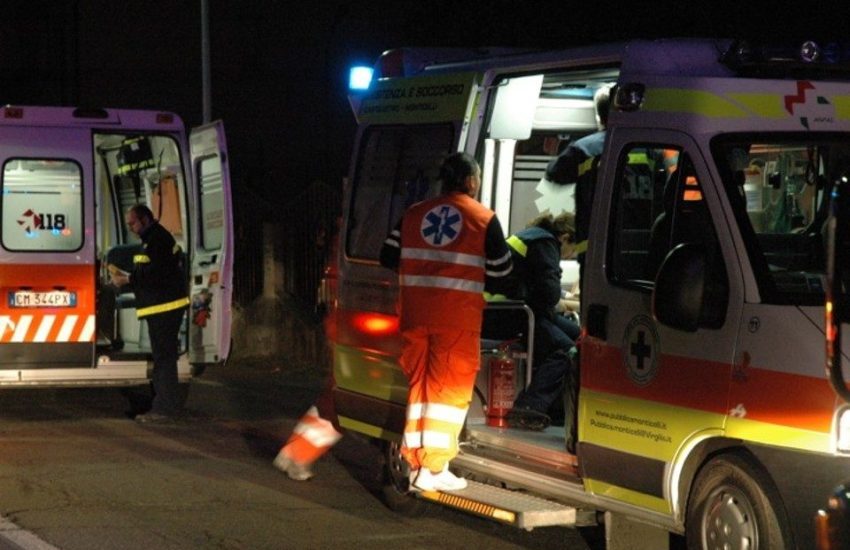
(697, 57)
(117, 119)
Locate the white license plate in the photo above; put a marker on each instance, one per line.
(51, 298)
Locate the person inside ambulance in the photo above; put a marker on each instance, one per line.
(447, 250)
(578, 164)
(537, 251)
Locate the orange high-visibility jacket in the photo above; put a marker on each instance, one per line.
(442, 264)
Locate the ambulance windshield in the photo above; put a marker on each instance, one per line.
(778, 185)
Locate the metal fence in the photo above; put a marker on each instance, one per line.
(248, 254)
(310, 222)
(302, 239)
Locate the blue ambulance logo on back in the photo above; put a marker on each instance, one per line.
(441, 225)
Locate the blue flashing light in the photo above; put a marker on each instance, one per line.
(359, 77)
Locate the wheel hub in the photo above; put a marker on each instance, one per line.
(729, 521)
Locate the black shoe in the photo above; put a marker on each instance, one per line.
(526, 418)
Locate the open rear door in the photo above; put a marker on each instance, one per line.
(212, 261)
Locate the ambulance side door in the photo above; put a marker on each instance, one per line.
(649, 392)
(211, 278)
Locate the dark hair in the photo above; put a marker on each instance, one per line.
(454, 171)
(142, 212)
(562, 224)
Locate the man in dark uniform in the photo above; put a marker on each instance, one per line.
(578, 164)
(159, 285)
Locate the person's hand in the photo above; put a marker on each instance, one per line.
(563, 306)
(118, 277)
(119, 280)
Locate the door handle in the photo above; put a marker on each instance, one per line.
(597, 321)
(205, 263)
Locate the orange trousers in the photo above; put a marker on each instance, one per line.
(441, 366)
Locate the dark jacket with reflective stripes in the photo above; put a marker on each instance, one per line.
(158, 279)
(578, 164)
(537, 268)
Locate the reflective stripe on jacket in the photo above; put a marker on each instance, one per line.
(442, 263)
(158, 278)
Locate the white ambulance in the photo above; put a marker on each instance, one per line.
(704, 412)
(67, 177)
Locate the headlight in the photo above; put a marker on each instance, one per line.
(842, 443)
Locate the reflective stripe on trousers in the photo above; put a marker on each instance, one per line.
(441, 366)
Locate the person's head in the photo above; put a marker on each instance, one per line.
(562, 226)
(460, 173)
(138, 218)
(602, 103)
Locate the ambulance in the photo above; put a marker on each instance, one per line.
(833, 520)
(68, 176)
(705, 417)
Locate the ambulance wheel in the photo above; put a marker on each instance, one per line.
(396, 484)
(139, 400)
(733, 504)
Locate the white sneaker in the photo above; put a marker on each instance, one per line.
(295, 470)
(411, 480)
(443, 481)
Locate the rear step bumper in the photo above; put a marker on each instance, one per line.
(511, 507)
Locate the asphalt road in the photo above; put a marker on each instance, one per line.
(77, 474)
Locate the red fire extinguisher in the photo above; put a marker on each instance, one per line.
(502, 386)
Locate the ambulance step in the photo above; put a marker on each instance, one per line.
(511, 507)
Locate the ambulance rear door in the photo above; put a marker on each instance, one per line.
(47, 273)
(211, 279)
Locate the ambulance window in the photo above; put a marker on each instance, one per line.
(659, 204)
(212, 216)
(398, 166)
(42, 205)
(638, 203)
(778, 186)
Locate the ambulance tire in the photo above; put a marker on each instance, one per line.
(138, 398)
(395, 484)
(734, 504)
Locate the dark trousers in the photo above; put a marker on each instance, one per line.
(164, 329)
(553, 340)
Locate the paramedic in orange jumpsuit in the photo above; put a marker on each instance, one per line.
(446, 249)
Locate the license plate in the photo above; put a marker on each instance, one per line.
(51, 298)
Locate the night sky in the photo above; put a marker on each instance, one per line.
(279, 68)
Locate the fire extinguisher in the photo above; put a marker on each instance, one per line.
(502, 386)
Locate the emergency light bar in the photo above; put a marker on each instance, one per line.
(803, 61)
(360, 77)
